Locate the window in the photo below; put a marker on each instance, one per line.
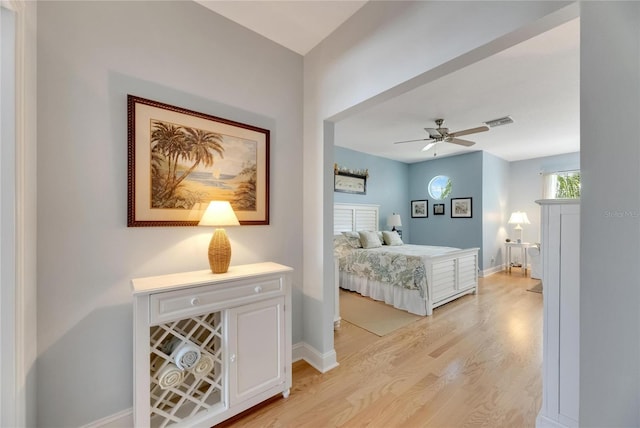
(440, 187)
(561, 185)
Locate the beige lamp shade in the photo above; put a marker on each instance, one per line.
(518, 218)
(219, 214)
(394, 220)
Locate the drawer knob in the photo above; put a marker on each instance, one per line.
(233, 357)
(258, 289)
(195, 301)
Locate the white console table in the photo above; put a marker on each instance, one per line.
(209, 346)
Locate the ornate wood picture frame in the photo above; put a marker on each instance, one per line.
(179, 160)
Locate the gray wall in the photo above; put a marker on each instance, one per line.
(610, 210)
(90, 56)
(386, 185)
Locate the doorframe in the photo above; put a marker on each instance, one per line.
(18, 329)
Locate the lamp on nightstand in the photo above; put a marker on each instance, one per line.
(518, 218)
(394, 220)
(219, 214)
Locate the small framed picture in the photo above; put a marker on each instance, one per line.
(438, 209)
(419, 209)
(461, 208)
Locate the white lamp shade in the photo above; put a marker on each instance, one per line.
(519, 217)
(219, 214)
(394, 220)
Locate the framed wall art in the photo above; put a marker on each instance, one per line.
(438, 209)
(461, 208)
(350, 181)
(180, 160)
(419, 209)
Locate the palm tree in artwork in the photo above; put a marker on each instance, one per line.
(167, 142)
(245, 196)
(199, 148)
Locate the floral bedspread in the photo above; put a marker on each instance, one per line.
(401, 265)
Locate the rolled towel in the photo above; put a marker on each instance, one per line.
(204, 366)
(186, 356)
(170, 376)
(169, 346)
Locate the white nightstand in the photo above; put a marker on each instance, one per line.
(523, 246)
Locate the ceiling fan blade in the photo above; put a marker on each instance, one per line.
(428, 146)
(412, 141)
(461, 142)
(469, 131)
(433, 133)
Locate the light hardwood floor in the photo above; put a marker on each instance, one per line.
(476, 362)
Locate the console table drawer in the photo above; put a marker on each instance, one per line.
(184, 303)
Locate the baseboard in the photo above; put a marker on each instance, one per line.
(491, 271)
(321, 362)
(122, 419)
(545, 422)
(300, 351)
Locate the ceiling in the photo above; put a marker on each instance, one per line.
(298, 25)
(535, 82)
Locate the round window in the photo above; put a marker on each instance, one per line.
(440, 187)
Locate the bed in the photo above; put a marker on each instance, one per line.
(414, 278)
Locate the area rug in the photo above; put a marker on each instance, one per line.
(536, 288)
(376, 317)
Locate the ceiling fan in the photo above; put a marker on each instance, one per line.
(442, 135)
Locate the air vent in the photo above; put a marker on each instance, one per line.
(499, 122)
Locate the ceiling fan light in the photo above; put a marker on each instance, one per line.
(428, 147)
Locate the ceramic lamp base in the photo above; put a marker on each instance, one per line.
(219, 252)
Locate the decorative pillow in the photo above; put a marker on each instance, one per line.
(353, 239)
(369, 239)
(391, 237)
(380, 237)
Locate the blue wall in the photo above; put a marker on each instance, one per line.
(496, 186)
(386, 185)
(465, 172)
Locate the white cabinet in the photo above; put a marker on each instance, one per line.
(560, 250)
(209, 346)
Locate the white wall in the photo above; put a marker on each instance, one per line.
(495, 195)
(90, 56)
(387, 48)
(610, 210)
(525, 187)
(18, 295)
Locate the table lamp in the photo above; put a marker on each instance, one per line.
(518, 218)
(219, 214)
(394, 220)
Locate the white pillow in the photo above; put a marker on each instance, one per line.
(369, 239)
(353, 238)
(391, 237)
(380, 237)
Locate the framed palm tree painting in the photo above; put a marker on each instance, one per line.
(180, 160)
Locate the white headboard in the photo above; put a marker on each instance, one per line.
(354, 217)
